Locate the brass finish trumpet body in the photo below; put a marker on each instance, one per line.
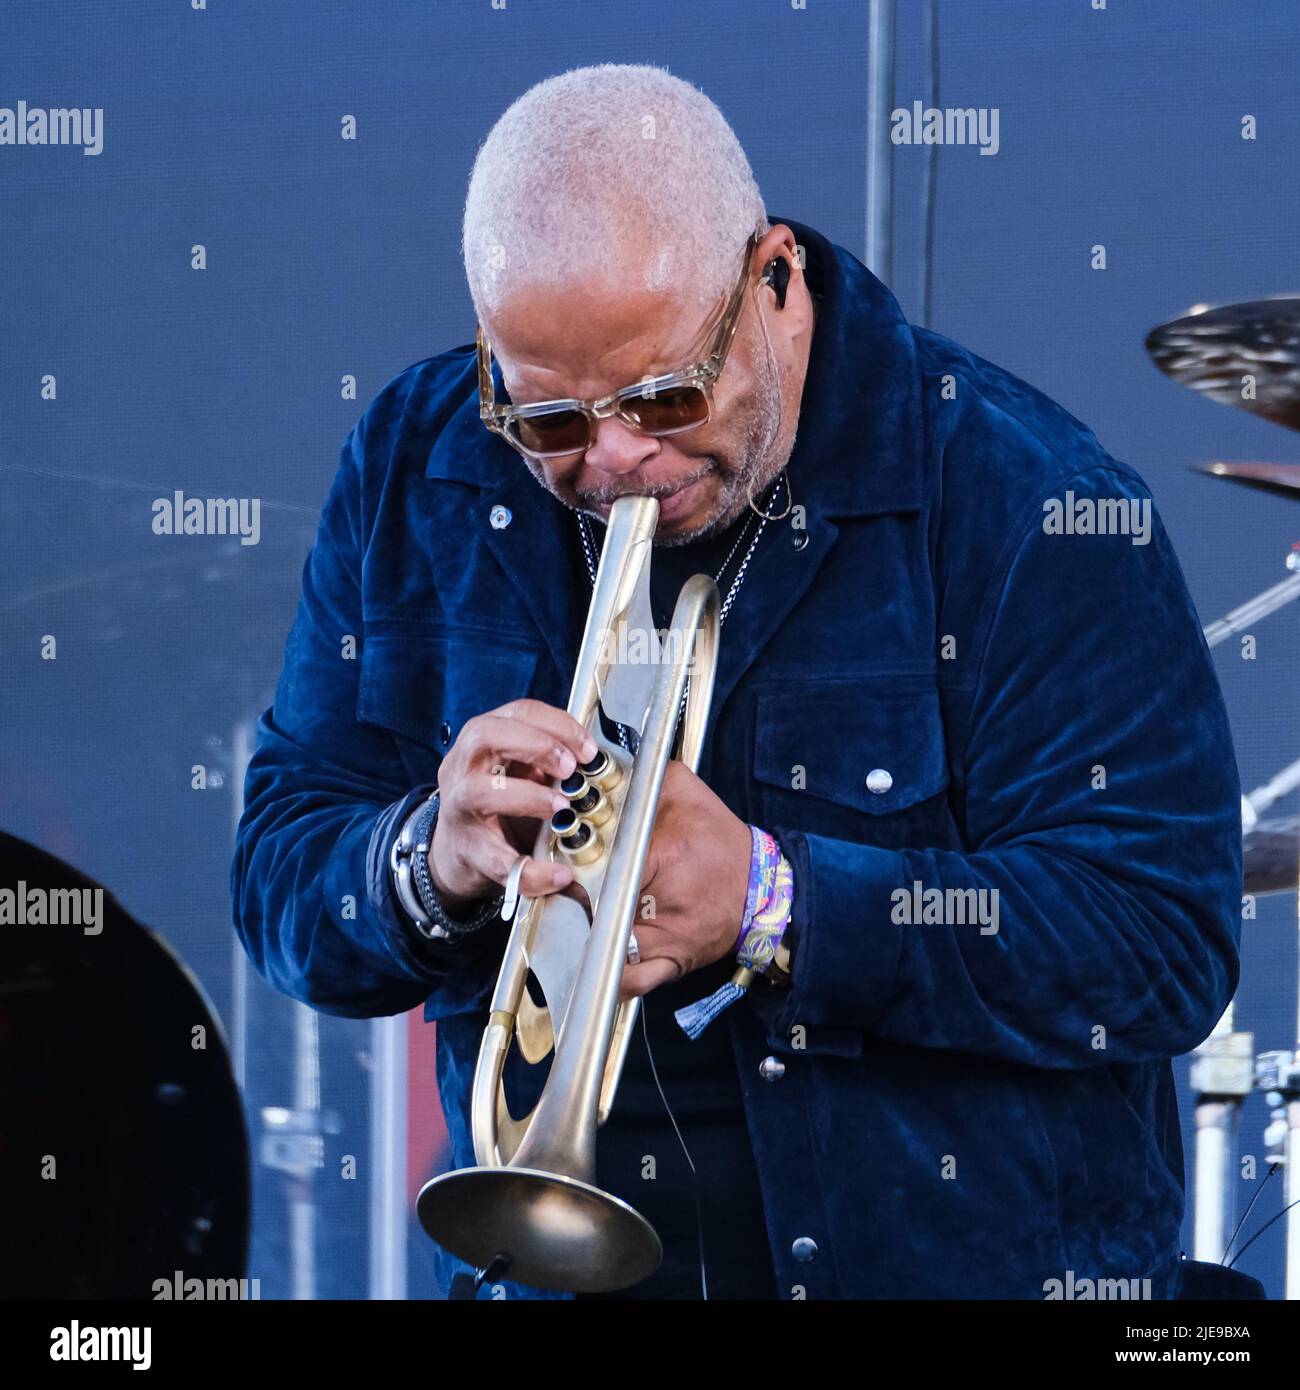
(532, 1199)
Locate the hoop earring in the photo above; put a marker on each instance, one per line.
(789, 504)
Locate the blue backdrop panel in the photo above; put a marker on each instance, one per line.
(329, 259)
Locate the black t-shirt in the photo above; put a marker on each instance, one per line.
(698, 1078)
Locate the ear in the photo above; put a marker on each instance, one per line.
(778, 276)
(777, 253)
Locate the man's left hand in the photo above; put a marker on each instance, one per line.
(693, 892)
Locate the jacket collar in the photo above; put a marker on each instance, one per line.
(857, 451)
(858, 448)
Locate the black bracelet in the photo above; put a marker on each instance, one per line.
(414, 885)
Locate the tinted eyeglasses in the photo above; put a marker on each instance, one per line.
(659, 406)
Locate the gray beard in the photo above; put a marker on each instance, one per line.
(762, 460)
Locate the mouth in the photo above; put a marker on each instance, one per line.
(672, 504)
(679, 503)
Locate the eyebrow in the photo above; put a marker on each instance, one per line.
(669, 369)
(693, 353)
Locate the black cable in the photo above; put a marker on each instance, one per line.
(1262, 1229)
(690, 1163)
(1259, 1192)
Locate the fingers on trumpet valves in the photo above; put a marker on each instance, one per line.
(576, 826)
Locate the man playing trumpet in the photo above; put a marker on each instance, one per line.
(965, 821)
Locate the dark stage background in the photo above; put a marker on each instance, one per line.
(329, 258)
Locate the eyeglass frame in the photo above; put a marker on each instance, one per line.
(703, 373)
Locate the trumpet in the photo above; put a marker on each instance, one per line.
(531, 1209)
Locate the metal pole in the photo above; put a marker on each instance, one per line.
(880, 103)
(1253, 610)
(1211, 1210)
(241, 750)
(1292, 1189)
(302, 1196)
(1291, 1171)
(1223, 1075)
(388, 1157)
(1274, 789)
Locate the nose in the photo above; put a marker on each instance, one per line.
(618, 449)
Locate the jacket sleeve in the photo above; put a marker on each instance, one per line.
(323, 800)
(1100, 805)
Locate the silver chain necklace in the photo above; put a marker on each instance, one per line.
(589, 553)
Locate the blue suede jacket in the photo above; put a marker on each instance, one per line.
(964, 1112)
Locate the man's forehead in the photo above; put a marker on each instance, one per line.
(588, 329)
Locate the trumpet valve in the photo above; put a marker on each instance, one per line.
(602, 771)
(593, 806)
(579, 841)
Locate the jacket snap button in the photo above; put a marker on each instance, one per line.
(771, 1069)
(800, 540)
(444, 731)
(804, 1249)
(879, 780)
(500, 518)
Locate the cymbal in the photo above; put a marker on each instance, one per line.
(99, 1033)
(1212, 350)
(1281, 479)
(1273, 856)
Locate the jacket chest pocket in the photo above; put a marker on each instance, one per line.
(853, 760)
(423, 687)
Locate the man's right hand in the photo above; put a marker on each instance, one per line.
(494, 787)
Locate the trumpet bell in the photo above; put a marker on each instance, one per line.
(558, 1232)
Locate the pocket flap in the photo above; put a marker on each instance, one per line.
(425, 686)
(875, 749)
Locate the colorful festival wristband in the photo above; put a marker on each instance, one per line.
(768, 902)
(764, 854)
